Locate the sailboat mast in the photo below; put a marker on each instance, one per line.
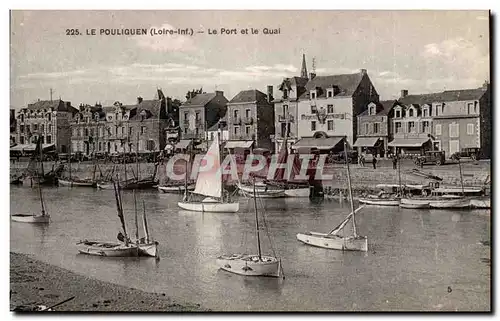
(220, 163)
(186, 172)
(399, 173)
(350, 189)
(39, 181)
(69, 165)
(256, 220)
(137, 156)
(461, 176)
(136, 220)
(120, 210)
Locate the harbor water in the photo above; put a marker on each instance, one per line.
(418, 260)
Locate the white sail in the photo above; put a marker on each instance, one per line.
(209, 181)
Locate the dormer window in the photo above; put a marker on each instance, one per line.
(285, 93)
(439, 109)
(397, 113)
(410, 112)
(425, 112)
(329, 92)
(313, 94)
(372, 109)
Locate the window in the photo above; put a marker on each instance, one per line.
(313, 125)
(285, 110)
(285, 93)
(21, 128)
(329, 109)
(411, 127)
(470, 129)
(49, 139)
(470, 106)
(185, 130)
(123, 130)
(398, 127)
(283, 130)
(42, 128)
(425, 126)
(438, 108)
(398, 113)
(425, 112)
(375, 128)
(236, 130)
(186, 114)
(21, 140)
(28, 129)
(49, 128)
(438, 129)
(49, 116)
(248, 113)
(475, 107)
(367, 128)
(372, 110)
(92, 132)
(86, 131)
(313, 109)
(313, 94)
(99, 148)
(454, 130)
(410, 112)
(330, 125)
(22, 117)
(247, 130)
(130, 132)
(35, 127)
(143, 130)
(116, 148)
(197, 115)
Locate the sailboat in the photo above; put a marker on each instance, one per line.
(125, 248)
(254, 264)
(332, 240)
(209, 184)
(179, 186)
(43, 217)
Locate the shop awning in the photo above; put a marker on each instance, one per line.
(408, 142)
(239, 144)
(366, 142)
(30, 147)
(319, 143)
(183, 144)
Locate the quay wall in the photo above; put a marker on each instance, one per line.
(474, 174)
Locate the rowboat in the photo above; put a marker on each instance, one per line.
(263, 190)
(380, 201)
(30, 218)
(210, 204)
(76, 183)
(109, 249)
(175, 188)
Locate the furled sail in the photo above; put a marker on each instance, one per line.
(209, 182)
(344, 222)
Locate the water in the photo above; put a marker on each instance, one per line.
(414, 255)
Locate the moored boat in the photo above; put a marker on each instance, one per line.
(263, 190)
(110, 249)
(380, 201)
(480, 202)
(175, 188)
(297, 192)
(31, 218)
(414, 203)
(76, 182)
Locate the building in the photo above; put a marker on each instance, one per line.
(47, 119)
(451, 120)
(321, 107)
(13, 127)
(373, 128)
(200, 113)
(141, 127)
(250, 118)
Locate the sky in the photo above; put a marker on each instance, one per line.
(422, 51)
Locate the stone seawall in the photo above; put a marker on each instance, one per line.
(474, 174)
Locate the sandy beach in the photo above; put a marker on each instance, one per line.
(36, 283)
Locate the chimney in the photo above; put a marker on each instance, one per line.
(219, 93)
(362, 71)
(486, 84)
(312, 76)
(270, 93)
(139, 100)
(404, 93)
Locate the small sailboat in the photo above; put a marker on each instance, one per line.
(253, 264)
(332, 240)
(209, 183)
(125, 248)
(43, 217)
(72, 181)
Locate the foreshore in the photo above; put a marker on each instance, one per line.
(35, 283)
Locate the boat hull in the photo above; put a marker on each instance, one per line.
(108, 249)
(480, 202)
(297, 192)
(334, 242)
(63, 182)
(175, 189)
(414, 203)
(27, 218)
(249, 265)
(148, 249)
(379, 201)
(261, 191)
(214, 207)
(450, 203)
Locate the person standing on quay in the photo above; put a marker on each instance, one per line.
(374, 162)
(394, 162)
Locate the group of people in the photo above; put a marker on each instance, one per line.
(361, 161)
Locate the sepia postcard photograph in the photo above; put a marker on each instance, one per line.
(250, 161)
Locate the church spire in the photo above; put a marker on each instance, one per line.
(303, 72)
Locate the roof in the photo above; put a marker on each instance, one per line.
(239, 143)
(58, 105)
(366, 142)
(448, 95)
(320, 143)
(249, 96)
(408, 142)
(384, 107)
(151, 107)
(347, 84)
(200, 100)
(183, 144)
(30, 147)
